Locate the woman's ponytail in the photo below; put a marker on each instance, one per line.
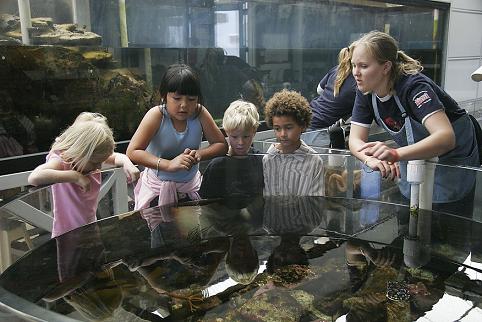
(344, 68)
(407, 65)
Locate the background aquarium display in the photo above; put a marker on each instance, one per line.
(108, 56)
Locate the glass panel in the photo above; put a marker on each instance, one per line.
(108, 56)
(361, 225)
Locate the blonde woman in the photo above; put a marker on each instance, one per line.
(73, 165)
(336, 93)
(421, 118)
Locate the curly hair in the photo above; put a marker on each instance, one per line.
(288, 103)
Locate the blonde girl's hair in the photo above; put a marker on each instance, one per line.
(88, 138)
(383, 48)
(241, 115)
(344, 67)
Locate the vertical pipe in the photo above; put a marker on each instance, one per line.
(414, 196)
(123, 23)
(251, 33)
(81, 13)
(414, 206)
(415, 177)
(25, 20)
(148, 66)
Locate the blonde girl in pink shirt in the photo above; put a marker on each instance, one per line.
(73, 165)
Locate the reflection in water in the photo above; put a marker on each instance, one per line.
(389, 285)
(416, 244)
(322, 262)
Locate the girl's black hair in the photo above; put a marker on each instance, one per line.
(182, 79)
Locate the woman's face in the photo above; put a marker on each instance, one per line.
(370, 75)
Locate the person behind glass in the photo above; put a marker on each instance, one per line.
(239, 174)
(168, 138)
(336, 93)
(290, 166)
(72, 166)
(252, 92)
(421, 118)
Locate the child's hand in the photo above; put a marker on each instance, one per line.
(194, 154)
(181, 162)
(83, 182)
(131, 172)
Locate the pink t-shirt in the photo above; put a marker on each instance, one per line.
(72, 207)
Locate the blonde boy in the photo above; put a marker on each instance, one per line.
(238, 174)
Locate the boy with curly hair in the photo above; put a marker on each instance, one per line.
(291, 167)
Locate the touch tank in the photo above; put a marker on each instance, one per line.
(355, 253)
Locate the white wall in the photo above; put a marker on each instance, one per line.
(464, 53)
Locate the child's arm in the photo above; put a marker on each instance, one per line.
(52, 172)
(217, 143)
(136, 151)
(121, 160)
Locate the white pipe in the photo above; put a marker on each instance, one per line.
(25, 20)
(414, 196)
(123, 24)
(415, 176)
(81, 13)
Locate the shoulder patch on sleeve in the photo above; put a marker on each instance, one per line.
(421, 98)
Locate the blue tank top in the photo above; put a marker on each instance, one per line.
(168, 143)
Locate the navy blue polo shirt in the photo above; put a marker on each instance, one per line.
(418, 94)
(326, 108)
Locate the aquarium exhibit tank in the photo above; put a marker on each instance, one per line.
(107, 56)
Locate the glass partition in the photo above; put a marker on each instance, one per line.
(26, 213)
(359, 222)
(108, 56)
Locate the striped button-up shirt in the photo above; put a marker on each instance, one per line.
(296, 174)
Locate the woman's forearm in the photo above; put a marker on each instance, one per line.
(434, 145)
